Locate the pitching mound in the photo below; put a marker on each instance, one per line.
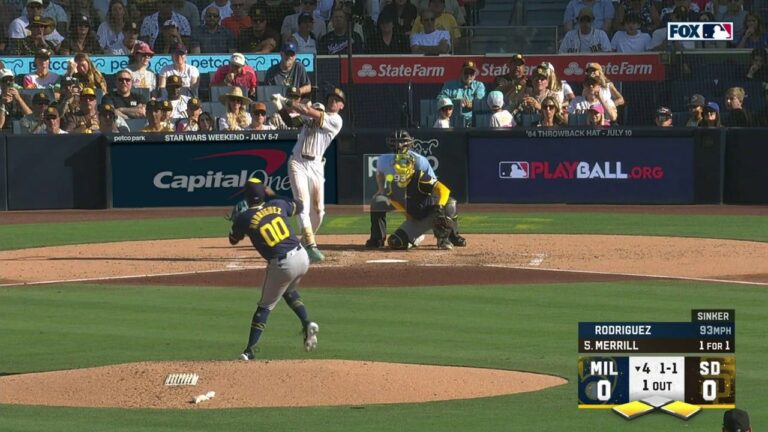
(285, 383)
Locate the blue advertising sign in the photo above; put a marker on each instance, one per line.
(211, 172)
(110, 65)
(581, 170)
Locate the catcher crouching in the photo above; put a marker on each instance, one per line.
(426, 202)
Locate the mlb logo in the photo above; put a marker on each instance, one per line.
(715, 31)
(514, 169)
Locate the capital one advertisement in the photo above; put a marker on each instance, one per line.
(208, 173)
(581, 170)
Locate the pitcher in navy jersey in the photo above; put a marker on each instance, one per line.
(266, 224)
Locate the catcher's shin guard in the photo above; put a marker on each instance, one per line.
(378, 229)
(456, 238)
(398, 240)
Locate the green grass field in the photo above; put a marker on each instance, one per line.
(521, 327)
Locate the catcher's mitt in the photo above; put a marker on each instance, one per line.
(442, 225)
(236, 210)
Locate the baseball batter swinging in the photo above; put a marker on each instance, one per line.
(400, 142)
(320, 125)
(266, 224)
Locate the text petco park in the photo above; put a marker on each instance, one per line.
(577, 170)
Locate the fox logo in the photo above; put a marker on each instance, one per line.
(718, 31)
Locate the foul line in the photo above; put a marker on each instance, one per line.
(638, 275)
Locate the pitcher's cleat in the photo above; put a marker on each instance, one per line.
(310, 336)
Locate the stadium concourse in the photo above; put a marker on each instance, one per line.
(98, 67)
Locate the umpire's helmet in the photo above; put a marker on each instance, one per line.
(255, 193)
(400, 141)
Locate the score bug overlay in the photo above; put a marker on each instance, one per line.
(698, 370)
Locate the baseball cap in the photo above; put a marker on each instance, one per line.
(166, 105)
(289, 47)
(37, 21)
(41, 97)
(495, 99)
(254, 191)
(106, 109)
(712, 106)
(339, 94)
(517, 59)
(293, 91)
(259, 106)
(663, 112)
(318, 106)
(29, 2)
(736, 420)
(586, 11)
(5, 72)
(597, 108)
(142, 48)
(170, 23)
(469, 65)
(257, 13)
(594, 66)
(88, 91)
(181, 49)
(306, 17)
(173, 81)
(131, 26)
(697, 100)
(43, 53)
(194, 103)
(444, 102)
(237, 59)
(541, 70)
(81, 19)
(50, 112)
(153, 105)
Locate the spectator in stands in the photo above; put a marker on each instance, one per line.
(711, 116)
(109, 121)
(514, 82)
(361, 24)
(57, 13)
(466, 90)
(205, 122)
(51, 122)
(595, 116)
(710, 44)
(239, 19)
(690, 14)
(659, 37)
(260, 38)
(500, 118)
(593, 94)
(259, 117)
(737, 15)
(17, 29)
(84, 7)
(51, 34)
(152, 24)
(386, 40)
(32, 43)
(304, 38)
(609, 91)
(631, 39)
(156, 114)
(69, 97)
(190, 122)
(81, 38)
(602, 11)
(563, 91)
(757, 61)
(178, 101)
(337, 41)
(550, 114)
(86, 119)
(540, 89)
(736, 420)
(190, 75)
(663, 117)
(649, 17)
(585, 38)
(223, 6)
(754, 34)
(237, 116)
(123, 99)
(289, 72)
(128, 40)
(32, 122)
(404, 14)
(42, 77)
(276, 11)
(110, 31)
(143, 78)
(696, 108)
(189, 11)
(12, 104)
(212, 37)
(453, 7)
(716, 7)
(236, 73)
(444, 113)
(430, 40)
(291, 120)
(324, 10)
(86, 72)
(292, 23)
(169, 39)
(443, 21)
(736, 114)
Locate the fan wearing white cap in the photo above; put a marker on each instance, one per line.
(236, 74)
(501, 118)
(444, 113)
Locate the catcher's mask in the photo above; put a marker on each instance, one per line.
(254, 192)
(405, 166)
(400, 141)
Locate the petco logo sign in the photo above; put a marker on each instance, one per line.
(720, 31)
(578, 170)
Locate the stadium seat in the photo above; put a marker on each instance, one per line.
(427, 107)
(530, 120)
(136, 124)
(679, 119)
(482, 120)
(577, 119)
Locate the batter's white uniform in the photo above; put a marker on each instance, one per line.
(306, 169)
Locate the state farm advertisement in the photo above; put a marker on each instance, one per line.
(437, 70)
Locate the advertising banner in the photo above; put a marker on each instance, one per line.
(439, 69)
(203, 169)
(583, 168)
(109, 65)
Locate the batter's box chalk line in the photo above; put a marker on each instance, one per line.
(180, 379)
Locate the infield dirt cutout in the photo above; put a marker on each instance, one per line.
(489, 259)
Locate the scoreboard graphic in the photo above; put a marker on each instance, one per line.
(677, 368)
